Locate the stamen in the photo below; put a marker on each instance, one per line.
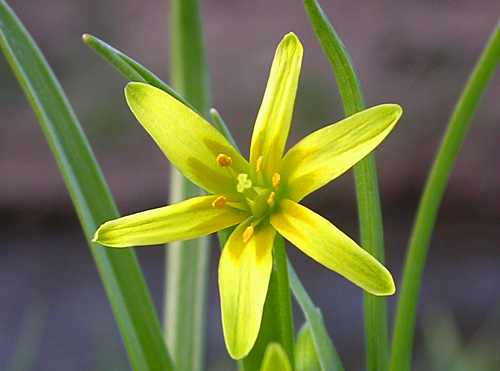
(219, 202)
(224, 160)
(243, 183)
(248, 233)
(260, 163)
(271, 199)
(276, 180)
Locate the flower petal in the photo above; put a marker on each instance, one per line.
(323, 242)
(244, 274)
(275, 114)
(327, 153)
(188, 219)
(189, 142)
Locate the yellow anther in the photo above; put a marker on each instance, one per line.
(219, 202)
(224, 160)
(248, 233)
(271, 199)
(260, 163)
(276, 180)
(243, 183)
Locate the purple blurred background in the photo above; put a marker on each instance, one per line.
(415, 53)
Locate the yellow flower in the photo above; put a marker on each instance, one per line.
(260, 196)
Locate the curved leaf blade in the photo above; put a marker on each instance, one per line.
(119, 269)
(327, 354)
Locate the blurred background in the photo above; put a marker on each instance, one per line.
(417, 53)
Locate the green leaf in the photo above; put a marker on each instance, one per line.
(287, 338)
(430, 202)
(187, 261)
(370, 214)
(119, 269)
(328, 357)
(129, 67)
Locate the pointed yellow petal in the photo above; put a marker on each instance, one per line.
(275, 359)
(244, 273)
(275, 114)
(188, 219)
(323, 242)
(327, 153)
(189, 142)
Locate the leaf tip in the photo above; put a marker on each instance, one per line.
(86, 38)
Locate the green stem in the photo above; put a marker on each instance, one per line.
(430, 202)
(277, 320)
(284, 298)
(372, 237)
(370, 214)
(187, 261)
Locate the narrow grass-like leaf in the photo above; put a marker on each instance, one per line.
(370, 214)
(129, 67)
(187, 261)
(430, 202)
(327, 354)
(119, 269)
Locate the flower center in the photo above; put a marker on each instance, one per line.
(259, 198)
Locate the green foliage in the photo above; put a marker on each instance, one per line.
(119, 270)
(458, 125)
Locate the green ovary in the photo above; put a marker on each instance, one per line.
(258, 199)
(260, 205)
